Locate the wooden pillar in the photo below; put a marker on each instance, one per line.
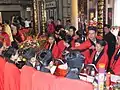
(35, 17)
(74, 13)
(116, 12)
(0, 17)
(88, 8)
(43, 15)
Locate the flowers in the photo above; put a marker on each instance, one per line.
(33, 43)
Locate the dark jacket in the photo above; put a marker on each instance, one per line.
(73, 74)
(111, 41)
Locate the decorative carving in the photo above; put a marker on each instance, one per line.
(101, 6)
(35, 16)
(43, 16)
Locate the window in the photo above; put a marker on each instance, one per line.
(69, 1)
(51, 12)
(55, 14)
(109, 1)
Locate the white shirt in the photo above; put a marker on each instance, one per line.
(118, 51)
(95, 41)
(96, 55)
(27, 24)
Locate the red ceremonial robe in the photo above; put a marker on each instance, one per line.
(2, 66)
(22, 36)
(42, 81)
(26, 77)
(73, 42)
(70, 84)
(85, 45)
(55, 50)
(11, 77)
(23, 33)
(62, 47)
(115, 64)
(24, 30)
(86, 53)
(51, 28)
(102, 58)
(4, 37)
(88, 43)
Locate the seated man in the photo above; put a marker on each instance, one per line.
(90, 43)
(52, 46)
(99, 55)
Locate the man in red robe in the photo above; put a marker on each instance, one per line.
(64, 44)
(11, 72)
(2, 65)
(91, 41)
(42, 81)
(24, 31)
(89, 45)
(52, 46)
(4, 37)
(115, 61)
(99, 55)
(86, 53)
(26, 77)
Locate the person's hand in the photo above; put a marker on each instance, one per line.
(66, 44)
(75, 37)
(92, 47)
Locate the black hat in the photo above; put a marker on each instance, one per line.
(59, 19)
(52, 18)
(92, 28)
(79, 33)
(79, 40)
(9, 52)
(62, 34)
(14, 44)
(101, 42)
(45, 56)
(74, 59)
(72, 27)
(68, 39)
(29, 53)
(107, 25)
(68, 20)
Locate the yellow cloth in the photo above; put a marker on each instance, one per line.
(8, 31)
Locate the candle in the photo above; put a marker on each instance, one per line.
(101, 76)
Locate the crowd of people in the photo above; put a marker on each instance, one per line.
(64, 47)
